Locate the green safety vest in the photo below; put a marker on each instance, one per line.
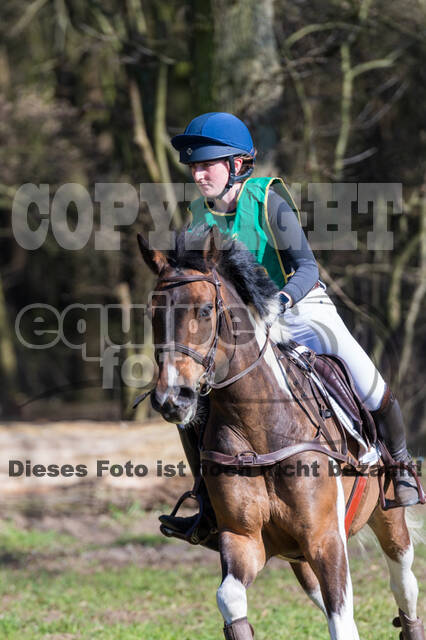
(250, 223)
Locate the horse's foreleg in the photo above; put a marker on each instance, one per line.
(392, 533)
(309, 583)
(242, 558)
(326, 551)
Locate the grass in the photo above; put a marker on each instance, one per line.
(18, 543)
(126, 515)
(173, 603)
(144, 539)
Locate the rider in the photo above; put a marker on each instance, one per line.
(261, 213)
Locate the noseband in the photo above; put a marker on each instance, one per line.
(208, 361)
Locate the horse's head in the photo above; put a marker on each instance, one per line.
(186, 309)
(193, 314)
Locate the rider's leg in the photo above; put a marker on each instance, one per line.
(172, 525)
(314, 322)
(390, 426)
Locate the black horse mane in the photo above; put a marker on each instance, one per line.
(235, 263)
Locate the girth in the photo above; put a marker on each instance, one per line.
(253, 459)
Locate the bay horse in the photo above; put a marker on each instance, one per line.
(199, 340)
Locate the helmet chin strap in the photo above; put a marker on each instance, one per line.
(231, 178)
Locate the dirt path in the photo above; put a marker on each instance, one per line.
(86, 444)
(112, 520)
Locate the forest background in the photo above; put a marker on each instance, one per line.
(333, 92)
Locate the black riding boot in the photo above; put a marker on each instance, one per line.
(390, 427)
(205, 532)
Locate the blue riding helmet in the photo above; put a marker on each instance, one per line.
(216, 136)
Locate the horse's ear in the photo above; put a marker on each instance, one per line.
(212, 246)
(155, 259)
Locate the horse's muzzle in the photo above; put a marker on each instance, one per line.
(177, 405)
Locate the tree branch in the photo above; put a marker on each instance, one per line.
(315, 28)
(159, 139)
(308, 126)
(383, 63)
(29, 14)
(140, 134)
(345, 111)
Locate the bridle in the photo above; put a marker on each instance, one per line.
(206, 382)
(207, 361)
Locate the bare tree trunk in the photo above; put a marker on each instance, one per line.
(202, 50)
(417, 299)
(8, 362)
(248, 76)
(345, 111)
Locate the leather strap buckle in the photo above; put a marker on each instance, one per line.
(247, 458)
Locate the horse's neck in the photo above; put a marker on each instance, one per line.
(258, 409)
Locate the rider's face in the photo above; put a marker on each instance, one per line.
(210, 177)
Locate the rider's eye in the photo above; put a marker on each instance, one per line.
(206, 311)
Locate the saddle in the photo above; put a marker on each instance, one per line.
(338, 381)
(329, 376)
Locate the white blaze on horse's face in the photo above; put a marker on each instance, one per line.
(173, 398)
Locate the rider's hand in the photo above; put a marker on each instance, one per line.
(285, 301)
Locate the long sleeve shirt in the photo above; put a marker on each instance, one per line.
(295, 252)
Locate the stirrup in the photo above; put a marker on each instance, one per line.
(191, 535)
(389, 464)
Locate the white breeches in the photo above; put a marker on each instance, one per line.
(315, 323)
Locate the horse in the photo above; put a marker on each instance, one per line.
(213, 312)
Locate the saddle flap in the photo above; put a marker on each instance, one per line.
(338, 381)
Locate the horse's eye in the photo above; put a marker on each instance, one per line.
(206, 311)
